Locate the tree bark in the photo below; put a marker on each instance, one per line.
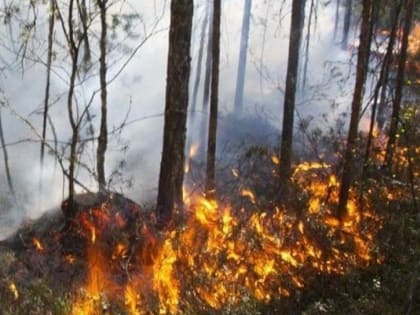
(6, 163)
(307, 45)
(199, 63)
(206, 87)
(298, 11)
(83, 13)
(103, 132)
(381, 85)
(346, 27)
(51, 23)
(178, 71)
(74, 53)
(337, 11)
(243, 51)
(211, 144)
(396, 105)
(362, 60)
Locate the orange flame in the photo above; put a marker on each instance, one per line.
(37, 244)
(14, 290)
(221, 253)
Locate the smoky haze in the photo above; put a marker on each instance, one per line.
(136, 96)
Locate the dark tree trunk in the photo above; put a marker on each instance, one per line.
(298, 10)
(6, 162)
(307, 45)
(346, 27)
(388, 62)
(103, 131)
(83, 13)
(48, 80)
(74, 53)
(206, 87)
(198, 136)
(211, 144)
(362, 60)
(396, 105)
(243, 51)
(171, 176)
(381, 84)
(199, 64)
(337, 18)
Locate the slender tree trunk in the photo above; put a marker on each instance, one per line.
(199, 63)
(171, 175)
(6, 162)
(298, 11)
(346, 27)
(396, 105)
(337, 18)
(381, 85)
(193, 137)
(48, 80)
(388, 63)
(243, 51)
(307, 44)
(206, 87)
(103, 133)
(362, 60)
(211, 144)
(74, 53)
(83, 13)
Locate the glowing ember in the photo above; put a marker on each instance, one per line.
(249, 194)
(13, 289)
(37, 244)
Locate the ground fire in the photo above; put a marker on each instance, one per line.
(216, 256)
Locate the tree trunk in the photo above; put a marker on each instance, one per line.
(307, 44)
(199, 64)
(243, 51)
(298, 11)
(74, 53)
(48, 80)
(346, 27)
(206, 87)
(381, 84)
(362, 60)
(83, 13)
(211, 144)
(178, 71)
(103, 133)
(6, 163)
(396, 105)
(337, 18)
(388, 63)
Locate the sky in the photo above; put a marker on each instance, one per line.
(136, 96)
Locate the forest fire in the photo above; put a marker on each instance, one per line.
(220, 255)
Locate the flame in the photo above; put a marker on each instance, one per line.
(70, 259)
(132, 300)
(91, 298)
(164, 281)
(37, 244)
(14, 290)
(249, 194)
(275, 159)
(220, 253)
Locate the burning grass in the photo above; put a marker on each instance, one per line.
(218, 258)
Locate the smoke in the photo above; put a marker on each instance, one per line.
(136, 98)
